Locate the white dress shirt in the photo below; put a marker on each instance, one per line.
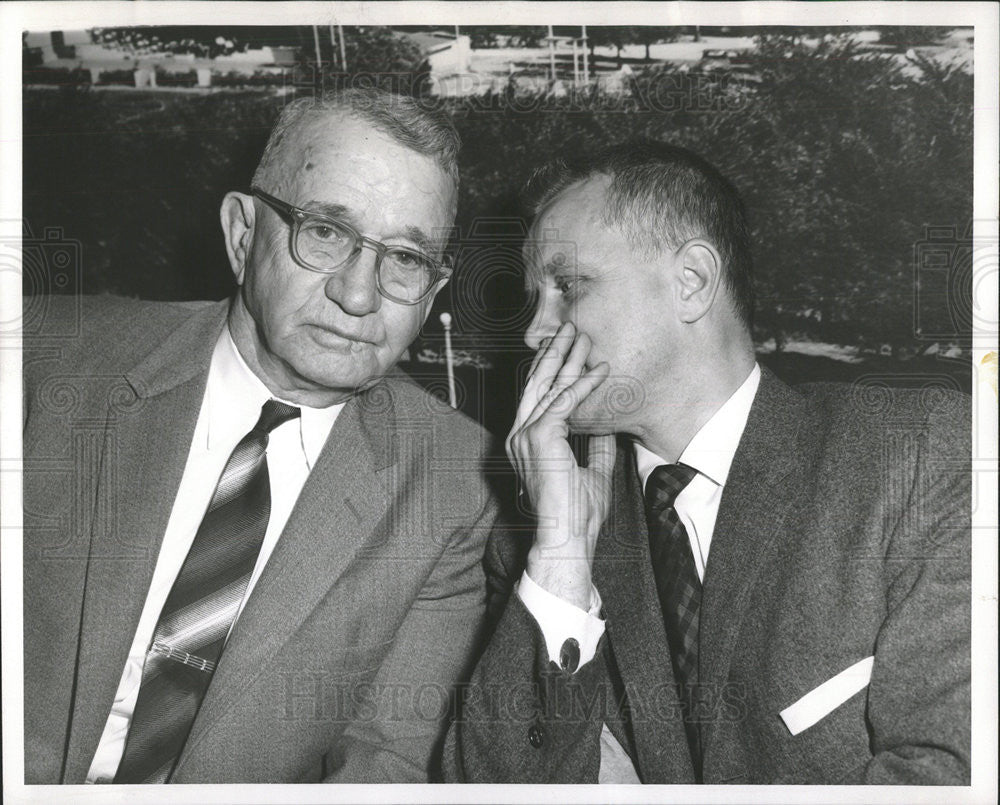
(710, 452)
(231, 406)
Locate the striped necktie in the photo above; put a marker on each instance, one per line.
(678, 588)
(202, 605)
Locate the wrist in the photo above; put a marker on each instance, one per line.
(565, 575)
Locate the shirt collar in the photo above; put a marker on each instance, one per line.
(713, 447)
(235, 395)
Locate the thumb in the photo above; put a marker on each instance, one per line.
(601, 455)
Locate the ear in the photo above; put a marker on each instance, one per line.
(237, 216)
(700, 277)
(429, 301)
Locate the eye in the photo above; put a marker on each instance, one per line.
(567, 286)
(325, 231)
(410, 262)
(406, 259)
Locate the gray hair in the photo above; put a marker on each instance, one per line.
(400, 117)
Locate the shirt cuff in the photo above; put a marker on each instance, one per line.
(560, 621)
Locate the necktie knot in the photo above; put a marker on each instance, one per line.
(273, 414)
(665, 483)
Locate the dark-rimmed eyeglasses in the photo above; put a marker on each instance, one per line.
(324, 244)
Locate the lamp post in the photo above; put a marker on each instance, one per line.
(449, 358)
(552, 55)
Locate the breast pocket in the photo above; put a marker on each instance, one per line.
(825, 698)
(820, 737)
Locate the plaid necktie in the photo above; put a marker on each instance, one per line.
(678, 587)
(201, 607)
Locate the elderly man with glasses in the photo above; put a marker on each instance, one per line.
(252, 551)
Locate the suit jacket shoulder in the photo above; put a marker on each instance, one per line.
(858, 409)
(104, 331)
(416, 409)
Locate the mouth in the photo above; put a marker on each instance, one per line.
(331, 336)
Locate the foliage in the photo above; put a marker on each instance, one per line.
(374, 54)
(57, 76)
(844, 159)
(163, 39)
(907, 36)
(490, 36)
(259, 78)
(521, 36)
(861, 157)
(121, 77)
(618, 36)
(202, 41)
(176, 78)
(376, 49)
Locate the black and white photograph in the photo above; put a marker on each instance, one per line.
(499, 402)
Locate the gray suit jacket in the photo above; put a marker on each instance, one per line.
(843, 534)
(342, 662)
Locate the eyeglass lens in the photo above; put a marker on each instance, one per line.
(324, 245)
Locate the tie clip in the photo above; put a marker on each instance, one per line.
(183, 657)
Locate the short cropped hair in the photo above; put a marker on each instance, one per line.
(661, 196)
(400, 117)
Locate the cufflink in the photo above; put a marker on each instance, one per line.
(535, 736)
(569, 655)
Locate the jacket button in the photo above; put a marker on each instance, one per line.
(569, 655)
(535, 736)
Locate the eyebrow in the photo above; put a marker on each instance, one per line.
(421, 238)
(534, 275)
(415, 234)
(329, 209)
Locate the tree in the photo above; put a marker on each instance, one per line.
(617, 36)
(849, 165)
(375, 54)
(907, 36)
(203, 41)
(858, 166)
(652, 34)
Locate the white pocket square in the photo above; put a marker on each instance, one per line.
(827, 697)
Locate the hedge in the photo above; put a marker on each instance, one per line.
(854, 170)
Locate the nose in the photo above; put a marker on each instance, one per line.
(543, 325)
(354, 287)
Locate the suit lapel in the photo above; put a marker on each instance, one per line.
(624, 576)
(344, 499)
(147, 437)
(755, 502)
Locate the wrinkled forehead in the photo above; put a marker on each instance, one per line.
(339, 158)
